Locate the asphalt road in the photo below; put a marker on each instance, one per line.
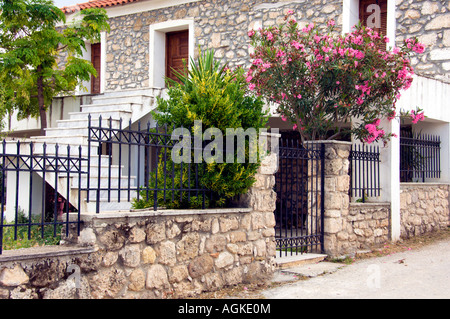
(416, 274)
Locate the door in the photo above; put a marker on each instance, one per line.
(96, 62)
(177, 51)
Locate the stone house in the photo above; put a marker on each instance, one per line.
(149, 37)
(218, 248)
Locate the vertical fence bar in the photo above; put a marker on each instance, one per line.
(30, 194)
(16, 210)
(44, 186)
(119, 173)
(99, 169)
(88, 179)
(322, 199)
(67, 204)
(3, 194)
(55, 207)
(80, 161)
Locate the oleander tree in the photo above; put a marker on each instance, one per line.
(32, 40)
(324, 81)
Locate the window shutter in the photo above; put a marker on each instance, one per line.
(364, 15)
(96, 62)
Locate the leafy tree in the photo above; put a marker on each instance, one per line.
(32, 40)
(319, 79)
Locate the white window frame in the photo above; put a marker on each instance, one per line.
(157, 66)
(350, 17)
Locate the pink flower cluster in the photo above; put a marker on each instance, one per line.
(374, 132)
(415, 45)
(417, 117)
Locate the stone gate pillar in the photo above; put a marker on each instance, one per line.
(337, 199)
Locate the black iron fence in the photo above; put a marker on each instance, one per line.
(419, 157)
(134, 165)
(35, 190)
(364, 172)
(300, 197)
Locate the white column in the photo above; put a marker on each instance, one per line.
(390, 175)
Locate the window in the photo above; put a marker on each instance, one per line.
(170, 43)
(374, 16)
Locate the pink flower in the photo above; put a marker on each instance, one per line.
(251, 33)
(249, 78)
(359, 101)
(299, 96)
(296, 45)
(258, 61)
(251, 87)
(417, 117)
(386, 40)
(294, 127)
(419, 48)
(280, 54)
(290, 12)
(331, 23)
(283, 118)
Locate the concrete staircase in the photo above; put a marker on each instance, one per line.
(113, 108)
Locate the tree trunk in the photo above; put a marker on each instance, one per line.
(41, 102)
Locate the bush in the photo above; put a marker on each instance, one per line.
(320, 80)
(219, 98)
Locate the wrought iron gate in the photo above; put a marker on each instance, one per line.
(300, 197)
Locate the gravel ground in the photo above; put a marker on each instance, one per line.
(415, 268)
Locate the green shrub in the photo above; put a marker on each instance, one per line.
(34, 238)
(219, 98)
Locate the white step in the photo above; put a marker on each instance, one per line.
(74, 140)
(139, 98)
(84, 123)
(105, 182)
(92, 108)
(106, 206)
(114, 113)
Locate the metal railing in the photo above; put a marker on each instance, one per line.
(35, 188)
(364, 172)
(135, 164)
(300, 201)
(419, 157)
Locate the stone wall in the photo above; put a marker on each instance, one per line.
(428, 20)
(349, 227)
(368, 224)
(147, 254)
(220, 24)
(423, 208)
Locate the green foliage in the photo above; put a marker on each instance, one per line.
(31, 44)
(173, 177)
(35, 238)
(218, 97)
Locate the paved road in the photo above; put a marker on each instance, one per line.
(422, 273)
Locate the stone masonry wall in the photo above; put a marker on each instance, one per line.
(429, 20)
(219, 24)
(423, 208)
(348, 227)
(147, 254)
